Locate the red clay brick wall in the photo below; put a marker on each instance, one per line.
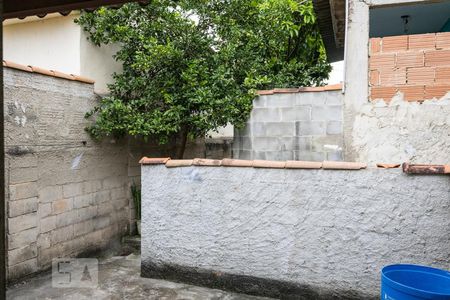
(416, 65)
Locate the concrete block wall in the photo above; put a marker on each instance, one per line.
(293, 126)
(417, 65)
(67, 195)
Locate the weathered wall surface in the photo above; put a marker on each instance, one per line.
(326, 233)
(403, 131)
(293, 126)
(67, 194)
(400, 131)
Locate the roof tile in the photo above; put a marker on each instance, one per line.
(42, 71)
(154, 160)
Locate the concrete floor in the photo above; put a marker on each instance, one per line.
(119, 278)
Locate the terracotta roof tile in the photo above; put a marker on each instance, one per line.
(294, 164)
(206, 162)
(269, 164)
(388, 166)
(332, 87)
(172, 163)
(42, 71)
(343, 165)
(227, 162)
(154, 160)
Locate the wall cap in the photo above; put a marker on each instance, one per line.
(42, 71)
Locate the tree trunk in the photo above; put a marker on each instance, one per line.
(181, 147)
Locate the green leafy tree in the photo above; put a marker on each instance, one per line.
(192, 66)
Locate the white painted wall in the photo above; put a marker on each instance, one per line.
(329, 231)
(50, 43)
(57, 43)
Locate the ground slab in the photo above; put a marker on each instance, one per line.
(119, 278)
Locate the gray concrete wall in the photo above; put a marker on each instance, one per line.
(375, 132)
(293, 126)
(325, 234)
(67, 194)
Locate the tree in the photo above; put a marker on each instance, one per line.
(192, 66)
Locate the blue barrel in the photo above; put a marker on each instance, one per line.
(411, 282)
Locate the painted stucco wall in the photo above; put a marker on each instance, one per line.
(329, 232)
(293, 126)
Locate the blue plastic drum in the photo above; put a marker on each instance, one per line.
(411, 282)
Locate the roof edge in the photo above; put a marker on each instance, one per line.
(325, 88)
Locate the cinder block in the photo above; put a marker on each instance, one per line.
(50, 193)
(335, 156)
(46, 255)
(259, 129)
(281, 100)
(303, 143)
(23, 191)
(102, 222)
(44, 210)
(47, 224)
(21, 175)
(279, 155)
(102, 196)
(261, 155)
(62, 234)
(259, 101)
(83, 200)
(22, 238)
(93, 186)
(22, 254)
(87, 213)
(67, 218)
(334, 98)
(280, 129)
(327, 143)
(309, 156)
(22, 269)
(299, 113)
(25, 161)
(327, 113)
(310, 128)
(265, 144)
(21, 207)
(62, 205)
(105, 209)
(335, 127)
(22, 222)
(114, 182)
(83, 227)
(310, 98)
(44, 240)
(72, 189)
(265, 115)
